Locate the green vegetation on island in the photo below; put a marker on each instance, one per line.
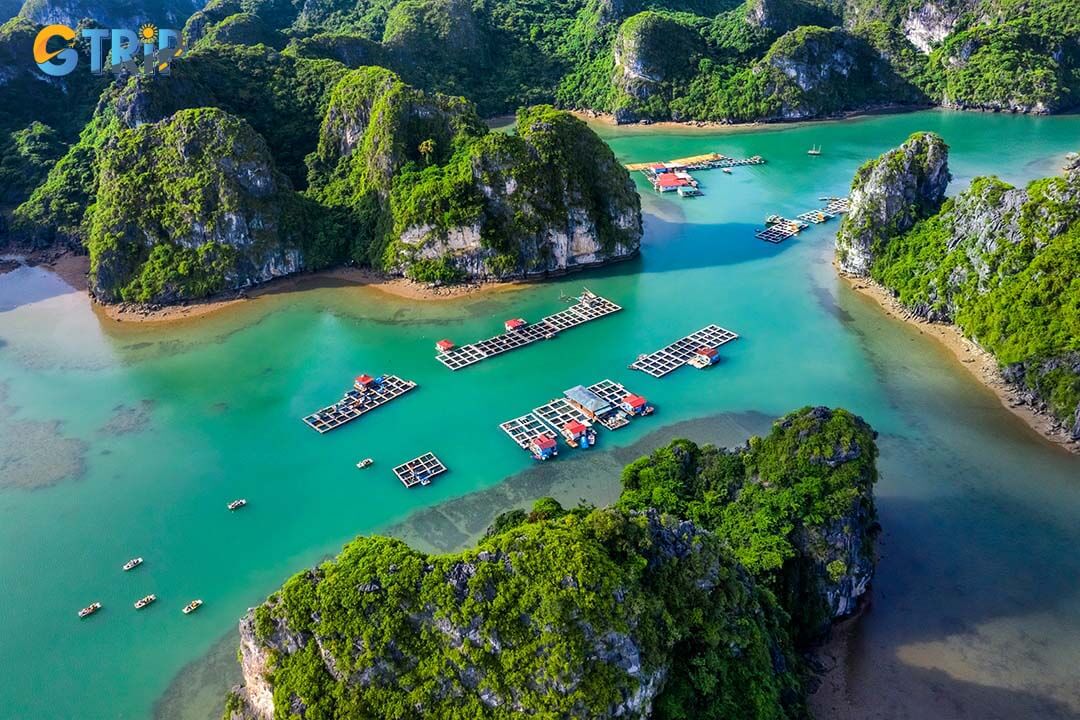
(233, 186)
(688, 599)
(1001, 263)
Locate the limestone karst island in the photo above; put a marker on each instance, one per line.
(553, 359)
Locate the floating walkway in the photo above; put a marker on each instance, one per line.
(708, 161)
(366, 394)
(525, 429)
(589, 306)
(778, 229)
(675, 355)
(420, 471)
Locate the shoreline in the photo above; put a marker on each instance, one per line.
(977, 361)
(398, 287)
(712, 126)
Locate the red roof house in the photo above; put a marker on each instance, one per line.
(444, 345)
(634, 401)
(364, 380)
(707, 352)
(544, 442)
(668, 181)
(574, 427)
(514, 324)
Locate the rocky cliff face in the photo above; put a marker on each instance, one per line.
(889, 195)
(997, 261)
(187, 206)
(770, 494)
(816, 72)
(119, 13)
(444, 198)
(550, 200)
(557, 616)
(651, 51)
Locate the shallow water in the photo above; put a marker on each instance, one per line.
(118, 441)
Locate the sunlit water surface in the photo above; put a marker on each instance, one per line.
(118, 441)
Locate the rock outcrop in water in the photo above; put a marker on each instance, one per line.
(999, 262)
(796, 507)
(188, 207)
(612, 613)
(176, 202)
(889, 195)
(440, 197)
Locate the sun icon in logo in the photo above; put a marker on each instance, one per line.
(148, 33)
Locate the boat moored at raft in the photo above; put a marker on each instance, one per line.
(132, 563)
(144, 601)
(90, 609)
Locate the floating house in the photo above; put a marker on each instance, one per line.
(588, 402)
(668, 182)
(543, 447)
(578, 434)
(636, 405)
(704, 357)
(514, 324)
(444, 346)
(363, 383)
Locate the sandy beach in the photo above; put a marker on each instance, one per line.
(338, 277)
(713, 127)
(977, 361)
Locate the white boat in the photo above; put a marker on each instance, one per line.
(237, 504)
(727, 170)
(143, 602)
(132, 563)
(192, 606)
(90, 609)
(815, 150)
(366, 462)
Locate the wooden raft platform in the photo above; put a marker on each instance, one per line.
(560, 411)
(836, 205)
(778, 233)
(814, 216)
(419, 471)
(614, 393)
(356, 403)
(590, 306)
(676, 354)
(523, 430)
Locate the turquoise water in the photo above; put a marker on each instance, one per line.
(118, 441)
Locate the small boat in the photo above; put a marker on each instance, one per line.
(366, 462)
(727, 170)
(192, 606)
(132, 563)
(90, 609)
(237, 504)
(143, 602)
(815, 150)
